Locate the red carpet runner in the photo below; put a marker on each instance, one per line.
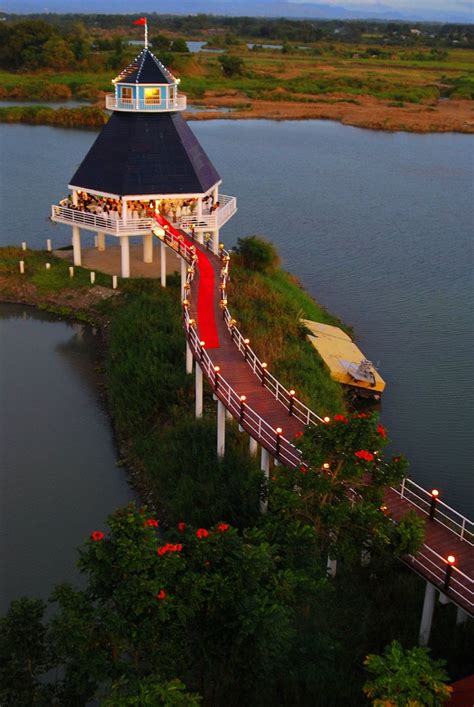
(205, 305)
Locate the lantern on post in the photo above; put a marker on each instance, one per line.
(246, 348)
(434, 501)
(292, 394)
(243, 398)
(449, 570)
(201, 353)
(264, 370)
(216, 377)
(326, 419)
(278, 432)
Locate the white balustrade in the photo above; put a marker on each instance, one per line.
(148, 104)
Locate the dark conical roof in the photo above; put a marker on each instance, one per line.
(140, 153)
(145, 68)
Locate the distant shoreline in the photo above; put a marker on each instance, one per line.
(361, 112)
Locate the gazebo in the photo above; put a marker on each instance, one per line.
(146, 160)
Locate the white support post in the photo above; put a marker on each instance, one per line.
(443, 599)
(76, 245)
(199, 207)
(163, 263)
(184, 274)
(265, 467)
(253, 446)
(189, 359)
(125, 255)
(228, 415)
(461, 616)
(101, 241)
(427, 615)
(200, 236)
(220, 429)
(124, 208)
(148, 248)
(215, 194)
(215, 241)
(75, 199)
(198, 390)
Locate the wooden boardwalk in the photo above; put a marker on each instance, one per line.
(265, 414)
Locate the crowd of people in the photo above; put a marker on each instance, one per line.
(171, 209)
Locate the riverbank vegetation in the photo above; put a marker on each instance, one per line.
(423, 83)
(202, 590)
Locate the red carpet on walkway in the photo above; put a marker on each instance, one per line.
(205, 306)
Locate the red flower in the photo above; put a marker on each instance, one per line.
(303, 469)
(222, 527)
(396, 460)
(382, 431)
(298, 435)
(362, 415)
(181, 527)
(169, 547)
(340, 418)
(202, 533)
(161, 594)
(366, 456)
(97, 535)
(151, 523)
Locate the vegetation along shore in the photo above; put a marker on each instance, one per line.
(199, 596)
(380, 76)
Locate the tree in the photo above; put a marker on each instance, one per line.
(23, 44)
(338, 488)
(160, 43)
(406, 678)
(24, 653)
(231, 65)
(179, 45)
(150, 692)
(257, 254)
(57, 54)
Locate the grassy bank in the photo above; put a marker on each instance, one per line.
(87, 116)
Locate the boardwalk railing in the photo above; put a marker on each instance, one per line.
(432, 566)
(148, 104)
(219, 217)
(458, 524)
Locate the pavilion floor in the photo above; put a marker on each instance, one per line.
(108, 261)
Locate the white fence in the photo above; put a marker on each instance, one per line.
(148, 104)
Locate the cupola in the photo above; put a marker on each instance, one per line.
(146, 85)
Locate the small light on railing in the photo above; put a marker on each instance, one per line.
(192, 322)
(326, 419)
(326, 465)
(277, 445)
(243, 398)
(264, 370)
(246, 342)
(434, 501)
(449, 570)
(384, 509)
(292, 394)
(185, 303)
(216, 377)
(202, 345)
(190, 270)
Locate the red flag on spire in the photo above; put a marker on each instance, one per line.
(141, 21)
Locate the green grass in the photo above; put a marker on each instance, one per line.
(268, 308)
(55, 279)
(86, 116)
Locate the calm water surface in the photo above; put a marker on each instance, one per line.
(58, 472)
(377, 226)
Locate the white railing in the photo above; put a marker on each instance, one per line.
(99, 222)
(433, 566)
(458, 524)
(147, 104)
(219, 217)
(136, 226)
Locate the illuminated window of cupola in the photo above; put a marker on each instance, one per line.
(152, 95)
(127, 94)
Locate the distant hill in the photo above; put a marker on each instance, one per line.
(460, 11)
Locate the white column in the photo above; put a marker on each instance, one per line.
(101, 241)
(215, 194)
(215, 241)
(220, 429)
(148, 248)
(265, 467)
(253, 446)
(125, 255)
(443, 599)
(74, 197)
(76, 245)
(189, 359)
(163, 263)
(124, 210)
(427, 615)
(461, 616)
(200, 236)
(198, 390)
(199, 207)
(184, 273)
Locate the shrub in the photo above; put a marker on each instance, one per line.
(257, 254)
(231, 65)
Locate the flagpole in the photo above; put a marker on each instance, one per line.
(146, 35)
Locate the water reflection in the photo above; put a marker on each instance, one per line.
(59, 476)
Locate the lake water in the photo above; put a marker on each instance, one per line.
(58, 471)
(377, 226)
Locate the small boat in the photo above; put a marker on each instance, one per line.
(345, 361)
